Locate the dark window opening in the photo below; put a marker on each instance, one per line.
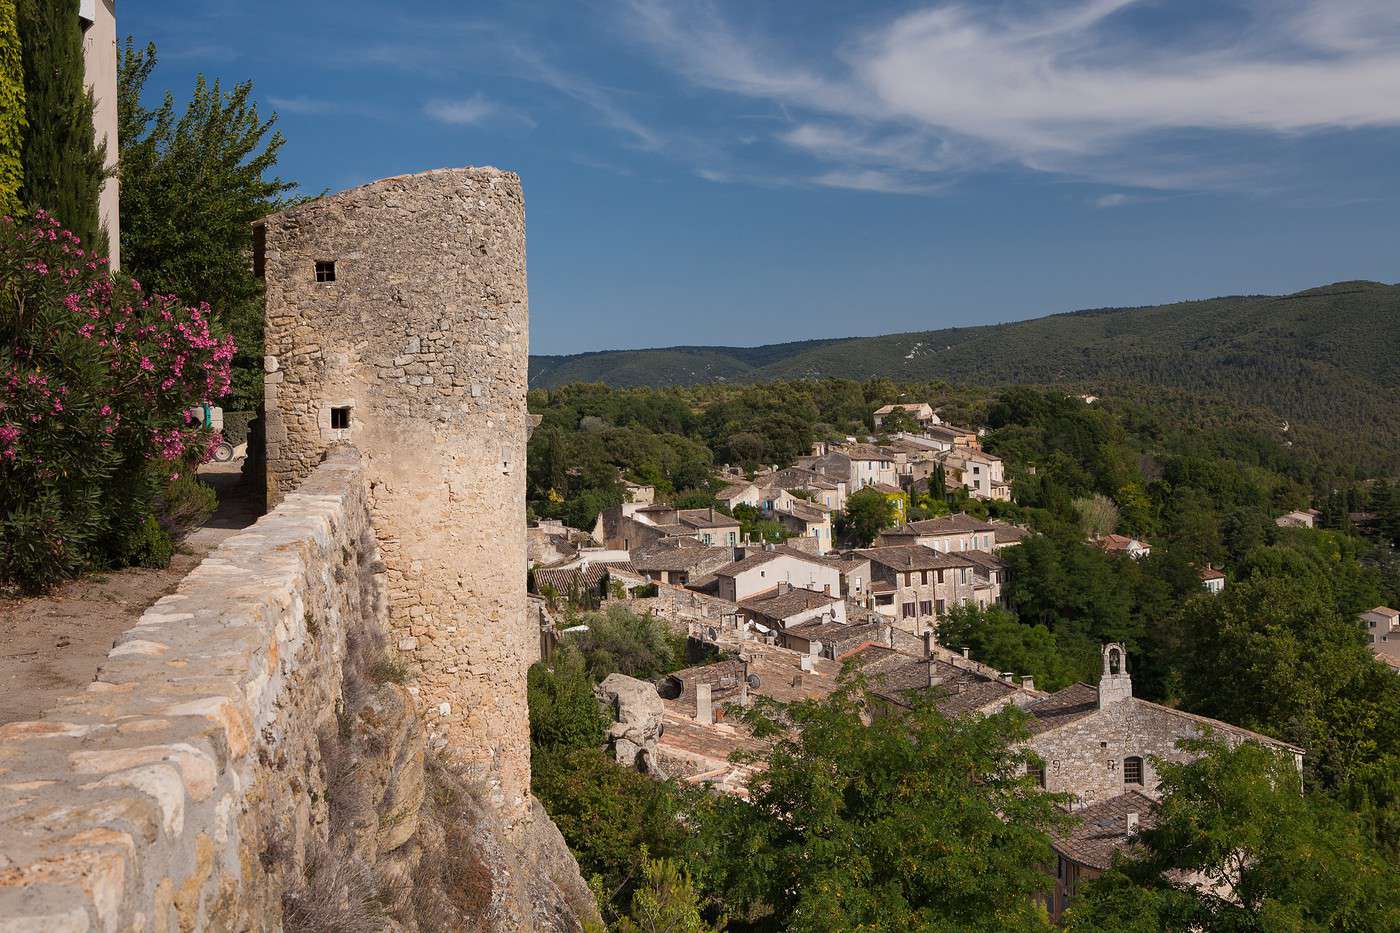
(1039, 773)
(1132, 770)
(325, 270)
(340, 418)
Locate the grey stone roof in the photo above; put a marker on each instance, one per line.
(1102, 829)
(912, 557)
(777, 605)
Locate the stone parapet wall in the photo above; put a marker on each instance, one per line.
(182, 789)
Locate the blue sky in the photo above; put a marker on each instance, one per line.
(705, 171)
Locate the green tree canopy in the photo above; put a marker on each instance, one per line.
(63, 167)
(1236, 846)
(868, 512)
(910, 823)
(192, 185)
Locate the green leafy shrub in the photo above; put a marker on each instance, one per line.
(96, 377)
(186, 502)
(148, 546)
(236, 426)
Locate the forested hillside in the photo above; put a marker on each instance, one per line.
(1326, 360)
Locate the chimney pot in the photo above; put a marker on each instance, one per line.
(965, 652)
(928, 643)
(1028, 682)
(1132, 822)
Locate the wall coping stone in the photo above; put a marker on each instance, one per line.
(124, 802)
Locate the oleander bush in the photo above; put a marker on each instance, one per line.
(96, 378)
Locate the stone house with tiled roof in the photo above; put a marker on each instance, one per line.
(1087, 848)
(914, 585)
(806, 521)
(1098, 742)
(947, 533)
(678, 561)
(761, 571)
(787, 606)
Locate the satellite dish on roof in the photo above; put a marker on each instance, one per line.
(753, 681)
(711, 634)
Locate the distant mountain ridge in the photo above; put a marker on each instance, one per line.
(1327, 358)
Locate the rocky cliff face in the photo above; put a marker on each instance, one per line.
(413, 845)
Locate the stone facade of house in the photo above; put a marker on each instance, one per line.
(1099, 743)
(397, 322)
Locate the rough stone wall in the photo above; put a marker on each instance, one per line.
(1085, 757)
(180, 787)
(423, 336)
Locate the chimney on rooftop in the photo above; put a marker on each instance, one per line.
(783, 587)
(887, 635)
(928, 643)
(744, 680)
(704, 709)
(1007, 676)
(965, 652)
(1028, 682)
(1132, 823)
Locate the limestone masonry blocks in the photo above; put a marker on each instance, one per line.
(417, 352)
(181, 790)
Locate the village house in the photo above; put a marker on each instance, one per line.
(639, 493)
(941, 437)
(1213, 580)
(825, 492)
(922, 412)
(840, 641)
(857, 465)
(582, 584)
(630, 526)
(1302, 518)
(896, 497)
(678, 561)
(787, 606)
(1008, 535)
(1122, 544)
(1099, 743)
(947, 533)
(760, 572)
(980, 473)
(741, 492)
(549, 541)
(915, 585)
(804, 520)
(1086, 850)
(1383, 634)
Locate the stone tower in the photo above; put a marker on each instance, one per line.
(1114, 682)
(397, 322)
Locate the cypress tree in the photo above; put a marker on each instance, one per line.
(12, 120)
(63, 167)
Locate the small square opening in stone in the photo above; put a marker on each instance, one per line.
(340, 417)
(325, 270)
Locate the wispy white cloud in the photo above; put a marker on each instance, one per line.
(464, 112)
(1073, 87)
(1115, 199)
(873, 180)
(601, 101)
